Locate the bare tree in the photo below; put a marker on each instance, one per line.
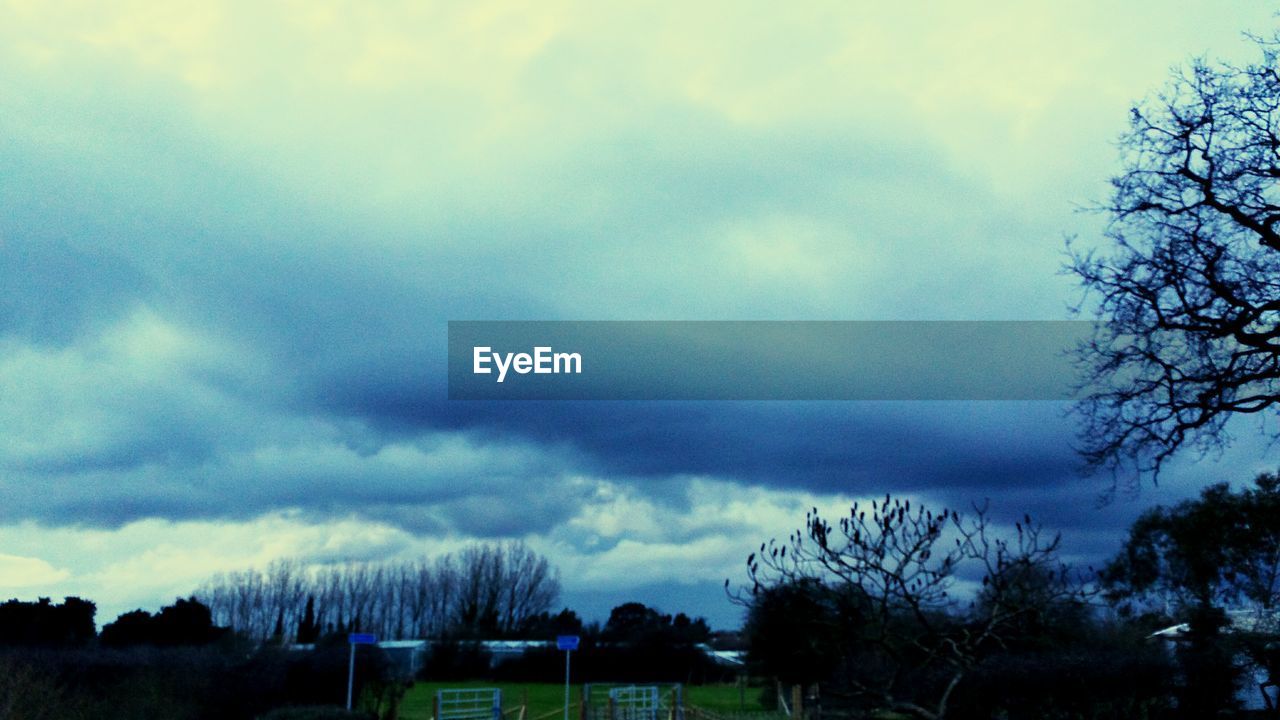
(284, 596)
(486, 590)
(530, 585)
(446, 581)
(883, 580)
(1189, 293)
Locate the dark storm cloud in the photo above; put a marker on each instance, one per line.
(490, 495)
(320, 325)
(821, 446)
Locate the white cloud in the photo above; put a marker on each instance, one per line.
(25, 572)
(701, 538)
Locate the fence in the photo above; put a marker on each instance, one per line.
(653, 701)
(469, 704)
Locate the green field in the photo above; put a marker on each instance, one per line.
(546, 700)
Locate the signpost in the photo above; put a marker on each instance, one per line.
(356, 639)
(567, 643)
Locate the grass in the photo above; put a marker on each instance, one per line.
(723, 698)
(547, 699)
(544, 698)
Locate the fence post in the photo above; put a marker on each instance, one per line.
(797, 702)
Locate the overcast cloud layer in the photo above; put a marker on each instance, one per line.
(231, 237)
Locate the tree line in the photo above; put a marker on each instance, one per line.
(486, 590)
(1181, 623)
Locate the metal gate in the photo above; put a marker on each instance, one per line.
(607, 701)
(469, 704)
(634, 702)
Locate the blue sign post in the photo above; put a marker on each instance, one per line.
(567, 643)
(356, 639)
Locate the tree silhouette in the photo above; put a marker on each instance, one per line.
(308, 629)
(870, 598)
(1189, 292)
(44, 623)
(186, 622)
(1199, 558)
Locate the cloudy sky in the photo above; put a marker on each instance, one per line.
(231, 237)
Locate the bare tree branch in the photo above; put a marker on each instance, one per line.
(1189, 295)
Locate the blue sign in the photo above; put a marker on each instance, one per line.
(362, 638)
(566, 642)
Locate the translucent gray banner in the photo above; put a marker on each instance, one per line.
(763, 360)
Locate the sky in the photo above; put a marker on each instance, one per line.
(232, 234)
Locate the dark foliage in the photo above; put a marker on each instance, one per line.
(1218, 550)
(320, 676)
(635, 622)
(226, 680)
(454, 659)
(1209, 667)
(308, 628)
(42, 623)
(793, 632)
(186, 622)
(1085, 681)
(1197, 559)
(864, 605)
(638, 644)
(545, 625)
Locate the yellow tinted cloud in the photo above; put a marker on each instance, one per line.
(21, 572)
